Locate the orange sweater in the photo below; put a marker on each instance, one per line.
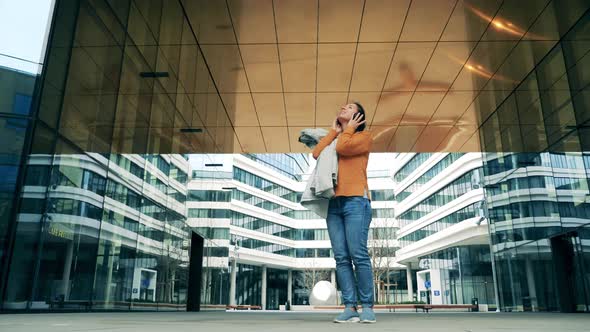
(353, 157)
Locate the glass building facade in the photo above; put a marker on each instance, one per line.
(93, 205)
(442, 197)
(539, 226)
(537, 202)
(468, 212)
(465, 272)
(93, 232)
(443, 244)
(427, 176)
(16, 91)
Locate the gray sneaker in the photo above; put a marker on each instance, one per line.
(367, 316)
(347, 316)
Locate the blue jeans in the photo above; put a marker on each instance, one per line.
(348, 226)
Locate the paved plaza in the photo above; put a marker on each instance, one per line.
(290, 321)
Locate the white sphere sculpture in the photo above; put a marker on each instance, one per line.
(323, 293)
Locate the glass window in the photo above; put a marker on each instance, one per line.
(429, 175)
(411, 166)
(209, 196)
(178, 174)
(127, 164)
(213, 233)
(382, 195)
(208, 213)
(292, 165)
(465, 213)
(216, 252)
(263, 184)
(37, 175)
(159, 162)
(452, 191)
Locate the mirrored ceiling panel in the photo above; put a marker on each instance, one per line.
(248, 75)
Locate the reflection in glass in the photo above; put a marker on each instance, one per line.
(16, 94)
(539, 214)
(93, 234)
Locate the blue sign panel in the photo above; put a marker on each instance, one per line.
(427, 284)
(436, 293)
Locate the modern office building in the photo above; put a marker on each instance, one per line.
(101, 232)
(16, 89)
(83, 82)
(540, 217)
(443, 231)
(536, 209)
(263, 248)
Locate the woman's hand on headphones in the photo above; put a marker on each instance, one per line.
(355, 122)
(336, 126)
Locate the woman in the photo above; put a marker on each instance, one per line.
(349, 212)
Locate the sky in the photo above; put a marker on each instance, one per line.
(381, 161)
(24, 26)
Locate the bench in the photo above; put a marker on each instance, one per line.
(214, 306)
(59, 304)
(428, 307)
(423, 307)
(392, 307)
(243, 307)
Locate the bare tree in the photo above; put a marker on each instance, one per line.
(310, 276)
(382, 254)
(171, 260)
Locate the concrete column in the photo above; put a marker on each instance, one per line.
(387, 280)
(232, 282)
(510, 275)
(290, 287)
(530, 278)
(109, 254)
(495, 279)
(334, 280)
(263, 292)
(65, 279)
(410, 278)
(205, 288)
(172, 285)
(210, 286)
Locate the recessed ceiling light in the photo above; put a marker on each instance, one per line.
(191, 130)
(154, 74)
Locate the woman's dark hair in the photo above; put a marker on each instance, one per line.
(362, 111)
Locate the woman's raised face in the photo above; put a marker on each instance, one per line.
(347, 111)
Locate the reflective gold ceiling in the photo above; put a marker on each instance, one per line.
(252, 73)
